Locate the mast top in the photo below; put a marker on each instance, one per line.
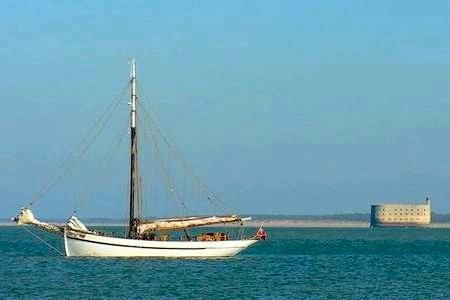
(133, 92)
(133, 68)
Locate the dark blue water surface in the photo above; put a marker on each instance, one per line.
(294, 263)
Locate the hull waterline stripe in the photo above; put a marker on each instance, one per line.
(132, 246)
(146, 247)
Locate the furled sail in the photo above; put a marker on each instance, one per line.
(75, 224)
(26, 217)
(182, 223)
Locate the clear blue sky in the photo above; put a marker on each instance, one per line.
(290, 107)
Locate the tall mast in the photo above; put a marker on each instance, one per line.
(134, 206)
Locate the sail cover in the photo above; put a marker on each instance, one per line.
(26, 217)
(75, 224)
(182, 223)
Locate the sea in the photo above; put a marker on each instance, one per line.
(293, 263)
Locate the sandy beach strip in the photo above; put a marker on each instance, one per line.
(256, 223)
(274, 223)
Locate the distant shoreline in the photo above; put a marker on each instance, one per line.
(279, 223)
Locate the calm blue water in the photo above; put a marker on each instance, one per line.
(292, 264)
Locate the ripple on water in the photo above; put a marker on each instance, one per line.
(294, 263)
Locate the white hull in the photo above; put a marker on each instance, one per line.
(80, 244)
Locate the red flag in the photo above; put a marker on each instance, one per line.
(261, 234)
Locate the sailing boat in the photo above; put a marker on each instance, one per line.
(144, 238)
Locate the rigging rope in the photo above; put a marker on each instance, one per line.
(211, 197)
(166, 175)
(106, 163)
(44, 241)
(142, 151)
(72, 158)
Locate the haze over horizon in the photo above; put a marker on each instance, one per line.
(282, 108)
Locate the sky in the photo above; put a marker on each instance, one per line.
(282, 107)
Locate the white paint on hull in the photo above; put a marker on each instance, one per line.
(80, 244)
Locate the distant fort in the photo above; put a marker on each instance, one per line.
(393, 215)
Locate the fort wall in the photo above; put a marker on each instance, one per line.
(384, 215)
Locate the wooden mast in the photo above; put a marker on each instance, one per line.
(134, 206)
